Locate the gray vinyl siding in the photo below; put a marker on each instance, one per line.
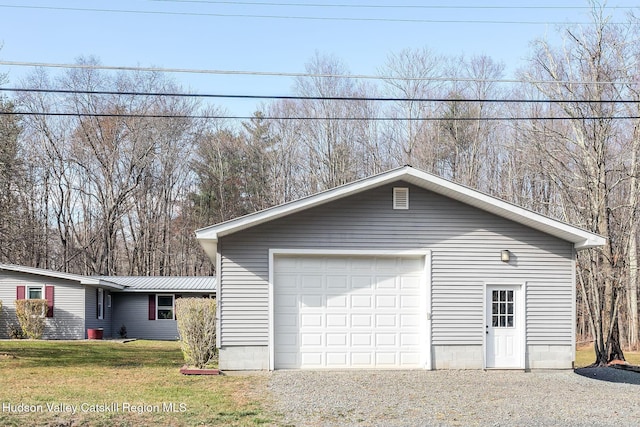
(68, 312)
(465, 244)
(91, 311)
(131, 309)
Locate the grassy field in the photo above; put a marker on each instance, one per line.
(124, 384)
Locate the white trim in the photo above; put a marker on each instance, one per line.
(521, 318)
(169, 291)
(574, 299)
(83, 280)
(426, 281)
(100, 304)
(582, 239)
(218, 263)
(400, 198)
(164, 307)
(40, 287)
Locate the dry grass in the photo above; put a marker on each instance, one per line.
(84, 374)
(585, 356)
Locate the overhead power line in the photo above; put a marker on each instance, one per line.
(322, 98)
(385, 6)
(302, 75)
(292, 17)
(224, 117)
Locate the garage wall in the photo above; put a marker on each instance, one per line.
(465, 244)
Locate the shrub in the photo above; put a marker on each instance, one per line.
(122, 331)
(15, 332)
(197, 328)
(30, 314)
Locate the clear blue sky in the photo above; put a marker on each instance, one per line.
(202, 34)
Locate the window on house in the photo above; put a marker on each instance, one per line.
(502, 309)
(34, 292)
(100, 307)
(164, 306)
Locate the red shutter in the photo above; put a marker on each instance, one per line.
(48, 295)
(20, 291)
(152, 307)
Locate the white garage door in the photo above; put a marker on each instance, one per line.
(349, 312)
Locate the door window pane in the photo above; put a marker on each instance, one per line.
(502, 308)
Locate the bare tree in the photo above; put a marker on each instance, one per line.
(583, 162)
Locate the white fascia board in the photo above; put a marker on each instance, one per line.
(582, 239)
(107, 284)
(83, 280)
(215, 231)
(169, 291)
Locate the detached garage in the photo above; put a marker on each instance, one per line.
(402, 270)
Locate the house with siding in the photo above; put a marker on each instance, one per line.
(145, 306)
(401, 270)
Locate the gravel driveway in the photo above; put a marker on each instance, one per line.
(456, 398)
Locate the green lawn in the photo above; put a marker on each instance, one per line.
(111, 383)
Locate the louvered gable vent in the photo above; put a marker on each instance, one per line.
(400, 198)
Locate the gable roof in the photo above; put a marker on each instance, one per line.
(82, 280)
(164, 283)
(582, 239)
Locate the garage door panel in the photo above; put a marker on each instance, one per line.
(312, 301)
(361, 359)
(361, 320)
(348, 312)
(386, 282)
(337, 340)
(311, 320)
(360, 340)
(337, 301)
(386, 301)
(311, 282)
(287, 339)
(287, 319)
(337, 282)
(337, 320)
(386, 320)
(361, 301)
(286, 281)
(312, 340)
(409, 321)
(311, 359)
(361, 282)
(386, 358)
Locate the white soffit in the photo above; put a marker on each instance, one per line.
(582, 239)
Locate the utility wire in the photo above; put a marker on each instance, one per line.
(221, 117)
(387, 6)
(302, 75)
(322, 98)
(291, 17)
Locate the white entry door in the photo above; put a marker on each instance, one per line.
(504, 327)
(349, 312)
